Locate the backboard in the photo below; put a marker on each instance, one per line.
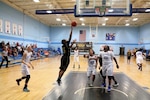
(100, 8)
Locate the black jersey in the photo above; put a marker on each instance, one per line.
(66, 49)
(129, 54)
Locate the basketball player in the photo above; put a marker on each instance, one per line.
(139, 59)
(65, 59)
(107, 66)
(129, 56)
(92, 64)
(100, 62)
(25, 65)
(76, 57)
(4, 57)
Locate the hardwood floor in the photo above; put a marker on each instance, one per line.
(43, 77)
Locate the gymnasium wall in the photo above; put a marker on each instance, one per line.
(34, 32)
(145, 35)
(38, 33)
(127, 37)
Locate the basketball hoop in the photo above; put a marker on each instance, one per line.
(101, 10)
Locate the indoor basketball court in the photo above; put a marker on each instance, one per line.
(43, 25)
(74, 87)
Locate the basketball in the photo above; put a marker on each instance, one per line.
(74, 24)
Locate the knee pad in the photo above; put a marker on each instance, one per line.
(28, 76)
(27, 79)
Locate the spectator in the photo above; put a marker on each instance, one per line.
(14, 52)
(128, 56)
(46, 53)
(4, 57)
(2, 44)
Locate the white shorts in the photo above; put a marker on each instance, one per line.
(139, 60)
(91, 70)
(107, 70)
(24, 70)
(76, 58)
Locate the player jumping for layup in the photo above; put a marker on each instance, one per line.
(65, 59)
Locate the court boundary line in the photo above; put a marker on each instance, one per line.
(86, 88)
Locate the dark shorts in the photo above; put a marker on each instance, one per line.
(129, 57)
(65, 60)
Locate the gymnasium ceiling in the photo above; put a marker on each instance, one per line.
(29, 7)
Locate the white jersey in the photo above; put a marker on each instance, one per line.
(28, 57)
(76, 53)
(25, 70)
(5, 53)
(91, 65)
(139, 54)
(139, 57)
(92, 61)
(107, 63)
(107, 58)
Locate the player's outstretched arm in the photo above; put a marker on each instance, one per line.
(70, 34)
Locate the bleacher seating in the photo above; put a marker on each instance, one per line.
(45, 52)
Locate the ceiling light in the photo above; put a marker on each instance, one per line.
(110, 10)
(82, 24)
(49, 11)
(147, 10)
(81, 19)
(103, 24)
(134, 19)
(36, 0)
(63, 24)
(127, 24)
(58, 19)
(106, 18)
